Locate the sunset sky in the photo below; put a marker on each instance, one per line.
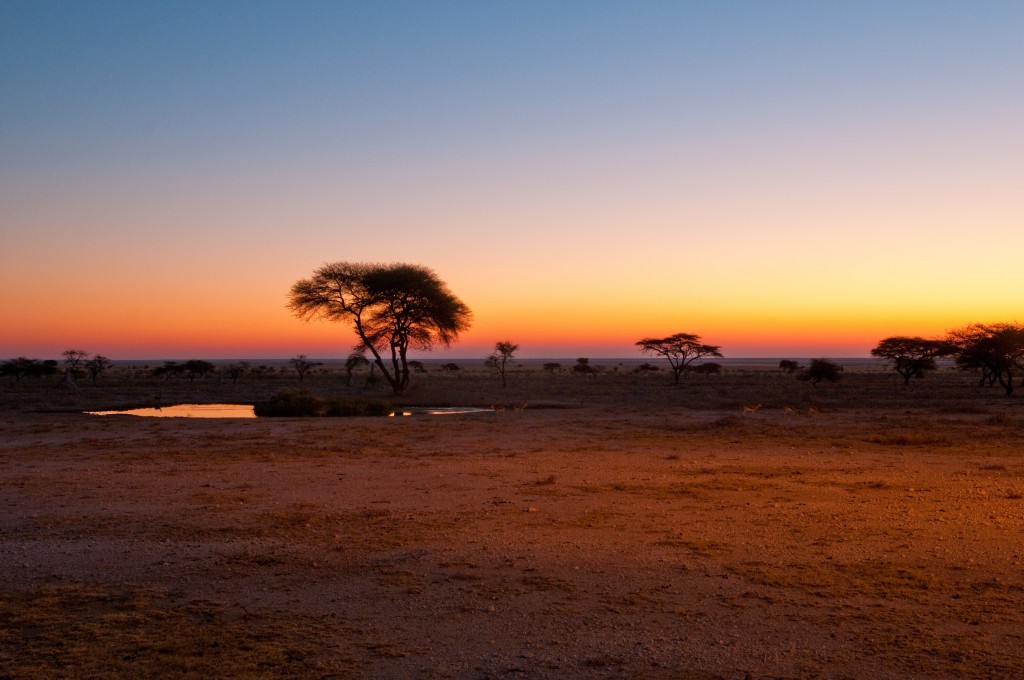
(782, 178)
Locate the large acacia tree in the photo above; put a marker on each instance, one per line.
(911, 357)
(997, 350)
(392, 308)
(680, 349)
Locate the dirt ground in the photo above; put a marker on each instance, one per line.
(607, 540)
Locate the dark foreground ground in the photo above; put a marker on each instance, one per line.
(611, 526)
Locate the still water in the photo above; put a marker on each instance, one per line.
(246, 411)
(187, 411)
(439, 410)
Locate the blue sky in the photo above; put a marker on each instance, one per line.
(715, 161)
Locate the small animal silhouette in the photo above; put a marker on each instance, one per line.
(751, 408)
(812, 410)
(791, 411)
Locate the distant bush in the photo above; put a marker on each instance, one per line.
(822, 369)
(296, 404)
(289, 403)
(22, 366)
(709, 368)
(350, 407)
(583, 366)
(789, 366)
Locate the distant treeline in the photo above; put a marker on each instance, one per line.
(994, 352)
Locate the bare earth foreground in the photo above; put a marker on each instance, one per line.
(645, 532)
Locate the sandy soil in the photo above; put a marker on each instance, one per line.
(585, 542)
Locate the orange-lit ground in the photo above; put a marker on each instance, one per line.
(857, 530)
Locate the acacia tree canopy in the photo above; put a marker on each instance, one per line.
(680, 349)
(997, 350)
(23, 366)
(98, 365)
(391, 307)
(73, 360)
(911, 356)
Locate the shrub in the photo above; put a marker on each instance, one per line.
(709, 368)
(356, 406)
(789, 366)
(292, 404)
(289, 404)
(822, 369)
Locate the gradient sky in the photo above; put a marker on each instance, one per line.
(781, 178)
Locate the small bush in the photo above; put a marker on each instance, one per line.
(355, 407)
(292, 404)
(822, 369)
(289, 404)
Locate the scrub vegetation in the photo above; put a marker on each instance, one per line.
(301, 404)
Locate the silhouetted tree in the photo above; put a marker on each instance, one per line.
(392, 308)
(911, 357)
(997, 350)
(822, 369)
(552, 366)
(354, 360)
(789, 366)
(583, 366)
(98, 365)
(680, 349)
(260, 372)
(302, 365)
(503, 351)
(46, 369)
(450, 368)
(169, 369)
(24, 367)
(73, 360)
(16, 368)
(236, 371)
(197, 368)
(417, 367)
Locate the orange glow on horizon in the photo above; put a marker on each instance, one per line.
(546, 318)
(549, 330)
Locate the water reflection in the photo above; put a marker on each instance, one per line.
(187, 411)
(246, 411)
(439, 410)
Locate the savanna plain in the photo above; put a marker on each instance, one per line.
(609, 525)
